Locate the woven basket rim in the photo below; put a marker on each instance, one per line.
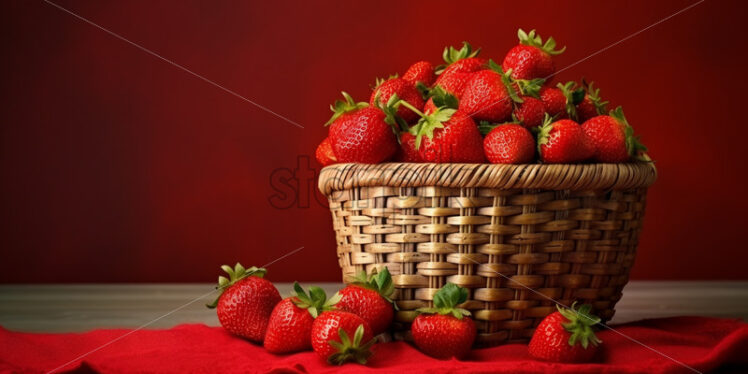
(577, 177)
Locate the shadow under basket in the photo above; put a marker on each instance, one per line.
(516, 236)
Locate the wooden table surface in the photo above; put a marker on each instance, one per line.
(71, 308)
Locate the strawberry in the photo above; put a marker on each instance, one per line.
(331, 332)
(404, 90)
(445, 330)
(591, 105)
(530, 112)
(447, 135)
(566, 336)
(563, 142)
(408, 151)
(421, 72)
(489, 95)
(560, 101)
(369, 298)
(613, 138)
(531, 58)
(554, 102)
(460, 66)
(360, 133)
(290, 325)
(245, 301)
(509, 144)
(324, 154)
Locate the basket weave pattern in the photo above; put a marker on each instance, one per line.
(515, 235)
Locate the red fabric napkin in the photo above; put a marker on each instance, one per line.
(702, 343)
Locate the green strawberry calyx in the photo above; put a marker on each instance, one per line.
(634, 146)
(594, 95)
(390, 110)
(529, 87)
(486, 126)
(237, 273)
(506, 79)
(446, 301)
(428, 122)
(316, 301)
(534, 40)
(351, 350)
(341, 107)
(573, 96)
(443, 99)
(579, 325)
(378, 281)
(452, 55)
(544, 130)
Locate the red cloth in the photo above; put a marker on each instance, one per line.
(702, 343)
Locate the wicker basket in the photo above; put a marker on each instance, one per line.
(516, 236)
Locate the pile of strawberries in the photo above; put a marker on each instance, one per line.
(345, 327)
(473, 110)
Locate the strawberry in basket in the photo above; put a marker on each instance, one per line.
(446, 135)
(369, 298)
(563, 142)
(360, 133)
(461, 64)
(290, 325)
(245, 301)
(592, 104)
(613, 138)
(445, 330)
(531, 58)
(566, 336)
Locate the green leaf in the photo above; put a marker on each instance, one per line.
(572, 98)
(452, 55)
(446, 301)
(534, 39)
(342, 107)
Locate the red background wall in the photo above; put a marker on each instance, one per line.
(117, 166)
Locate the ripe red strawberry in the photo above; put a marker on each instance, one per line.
(331, 332)
(324, 154)
(554, 102)
(560, 101)
(531, 58)
(592, 105)
(290, 325)
(447, 135)
(530, 112)
(404, 90)
(360, 133)
(563, 142)
(421, 71)
(509, 144)
(445, 330)
(612, 137)
(489, 95)
(566, 336)
(460, 66)
(407, 151)
(245, 301)
(369, 298)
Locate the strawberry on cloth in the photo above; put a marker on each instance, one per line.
(702, 343)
